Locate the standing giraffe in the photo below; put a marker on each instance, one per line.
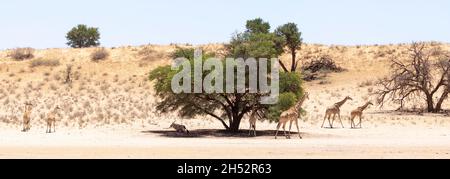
(27, 117)
(252, 122)
(335, 110)
(358, 112)
(291, 115)
(51, 120)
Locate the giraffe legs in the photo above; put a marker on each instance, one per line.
(360, 122)
(342, 124)
(332, 122)
(284, 129)
(352, 122)
(24, 129)
(298, 129)
(325, 118)
(290, 127)
(278, 128)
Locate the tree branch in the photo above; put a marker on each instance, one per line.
(283, 66)
(211, 114)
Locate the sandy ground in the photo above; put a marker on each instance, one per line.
(389, 140)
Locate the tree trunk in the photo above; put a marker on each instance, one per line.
(430, 104)
(293, 53)
(235, 123)
(438, 107)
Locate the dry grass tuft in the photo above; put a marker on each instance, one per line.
(21, 54)
(44, 62)
(99, 54)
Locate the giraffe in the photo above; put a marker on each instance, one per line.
(252, 122)
(51, 120)
(291, 115)
(333, 111)
(27, 117)
(358, 113)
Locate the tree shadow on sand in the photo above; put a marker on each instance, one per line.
(219, 133)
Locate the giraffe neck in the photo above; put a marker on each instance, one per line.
(299, 103)
(339, 104)
(364, 107)
(253, 115)
(27, 109)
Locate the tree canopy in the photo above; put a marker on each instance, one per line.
(83, 36)
(230, 108)
(292, 40)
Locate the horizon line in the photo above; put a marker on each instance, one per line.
(223, 43)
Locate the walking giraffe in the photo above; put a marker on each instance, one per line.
(335, 110)
(358, 113)
(291, 115)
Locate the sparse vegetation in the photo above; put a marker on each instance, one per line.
(99, 54)
(44, 62)
(323, 64)
(20, 54)
(148, 53)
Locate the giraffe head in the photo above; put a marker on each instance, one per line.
(348, 98)
(369, 103)
(28, 106)
(306, 95)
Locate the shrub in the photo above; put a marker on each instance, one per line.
(20, 54)
(324, 63)
(148, 53)
(316, 68)
(99, 54)
(44, 62)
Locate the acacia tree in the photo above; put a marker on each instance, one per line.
(83, 36)
(228, 108)
(426, 73)
(292, 40)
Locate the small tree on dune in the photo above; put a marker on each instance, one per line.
(83, 36)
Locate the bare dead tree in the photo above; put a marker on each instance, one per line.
(423, 75)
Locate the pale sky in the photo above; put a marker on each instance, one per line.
(44, 23)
